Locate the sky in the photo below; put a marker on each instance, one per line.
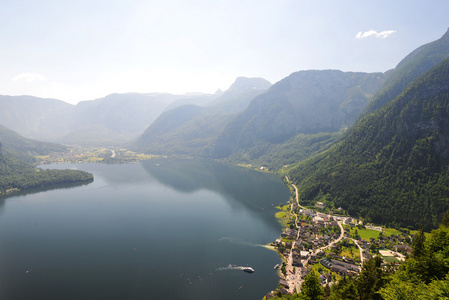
(76, 50)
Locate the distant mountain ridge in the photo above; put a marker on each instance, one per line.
(240, 94)
(34, 117)
(110, 120)
(14, 141)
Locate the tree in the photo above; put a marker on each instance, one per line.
(283, 269)
(344, 289)
(371, 279)
(445, 219)
(398, 289)
(418, 244)
(311, 287)
(327, 291)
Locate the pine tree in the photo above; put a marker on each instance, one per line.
(311, 287)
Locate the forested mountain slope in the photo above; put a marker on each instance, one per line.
(393, 166)
(26, 147)
(192, 130)
(11, 165)
(305, 102)
(413, 65)
(18, 174)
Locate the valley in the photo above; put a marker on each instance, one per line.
(359, 151)
(80, 154)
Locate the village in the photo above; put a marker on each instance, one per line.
(332, 244)
(83, 154)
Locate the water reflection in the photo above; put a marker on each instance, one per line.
(160, 229)
(189, 175)
(62, 186)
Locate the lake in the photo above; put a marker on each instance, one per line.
(157, 229)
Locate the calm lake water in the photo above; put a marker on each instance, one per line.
(158, 229)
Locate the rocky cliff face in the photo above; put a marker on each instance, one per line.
(304, 102)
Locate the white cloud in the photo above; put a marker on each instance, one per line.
(28, 77)
(374, 33)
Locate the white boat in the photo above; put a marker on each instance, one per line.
(248, 269)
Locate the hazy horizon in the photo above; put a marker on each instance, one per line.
(87, 50)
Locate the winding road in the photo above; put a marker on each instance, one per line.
(294, 279)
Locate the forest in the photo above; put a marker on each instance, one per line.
(392, 167)
(17, 174)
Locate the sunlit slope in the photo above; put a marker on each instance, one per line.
(393, 166)
(413, 65)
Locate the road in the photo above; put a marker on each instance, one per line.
(360, 250)
(294, 279)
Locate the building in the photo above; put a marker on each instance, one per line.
(401, 248)
(339, 270)
(320, 205)
(347, 266)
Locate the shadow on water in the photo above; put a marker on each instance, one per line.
(257, 191)
(62, 186)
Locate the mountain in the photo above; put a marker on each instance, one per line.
(197, 99)
(192, 130)
(33, 117)
(306, 102)
(26, 147)
(276, 156)
(10, 165)
(413, 65)
(393, 165)
(114, 119)
(17, 174)
(240, 94)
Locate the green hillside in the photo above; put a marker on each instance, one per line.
(307, 102)
(17, 174)
(24, 148)
(413, 65)
(393, 166)
(191, 129)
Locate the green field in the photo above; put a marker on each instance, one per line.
(365, 234)
(391, 231)
(355, 253)
(390, 259)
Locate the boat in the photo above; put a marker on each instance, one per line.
(248, 269)
(276, 266)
